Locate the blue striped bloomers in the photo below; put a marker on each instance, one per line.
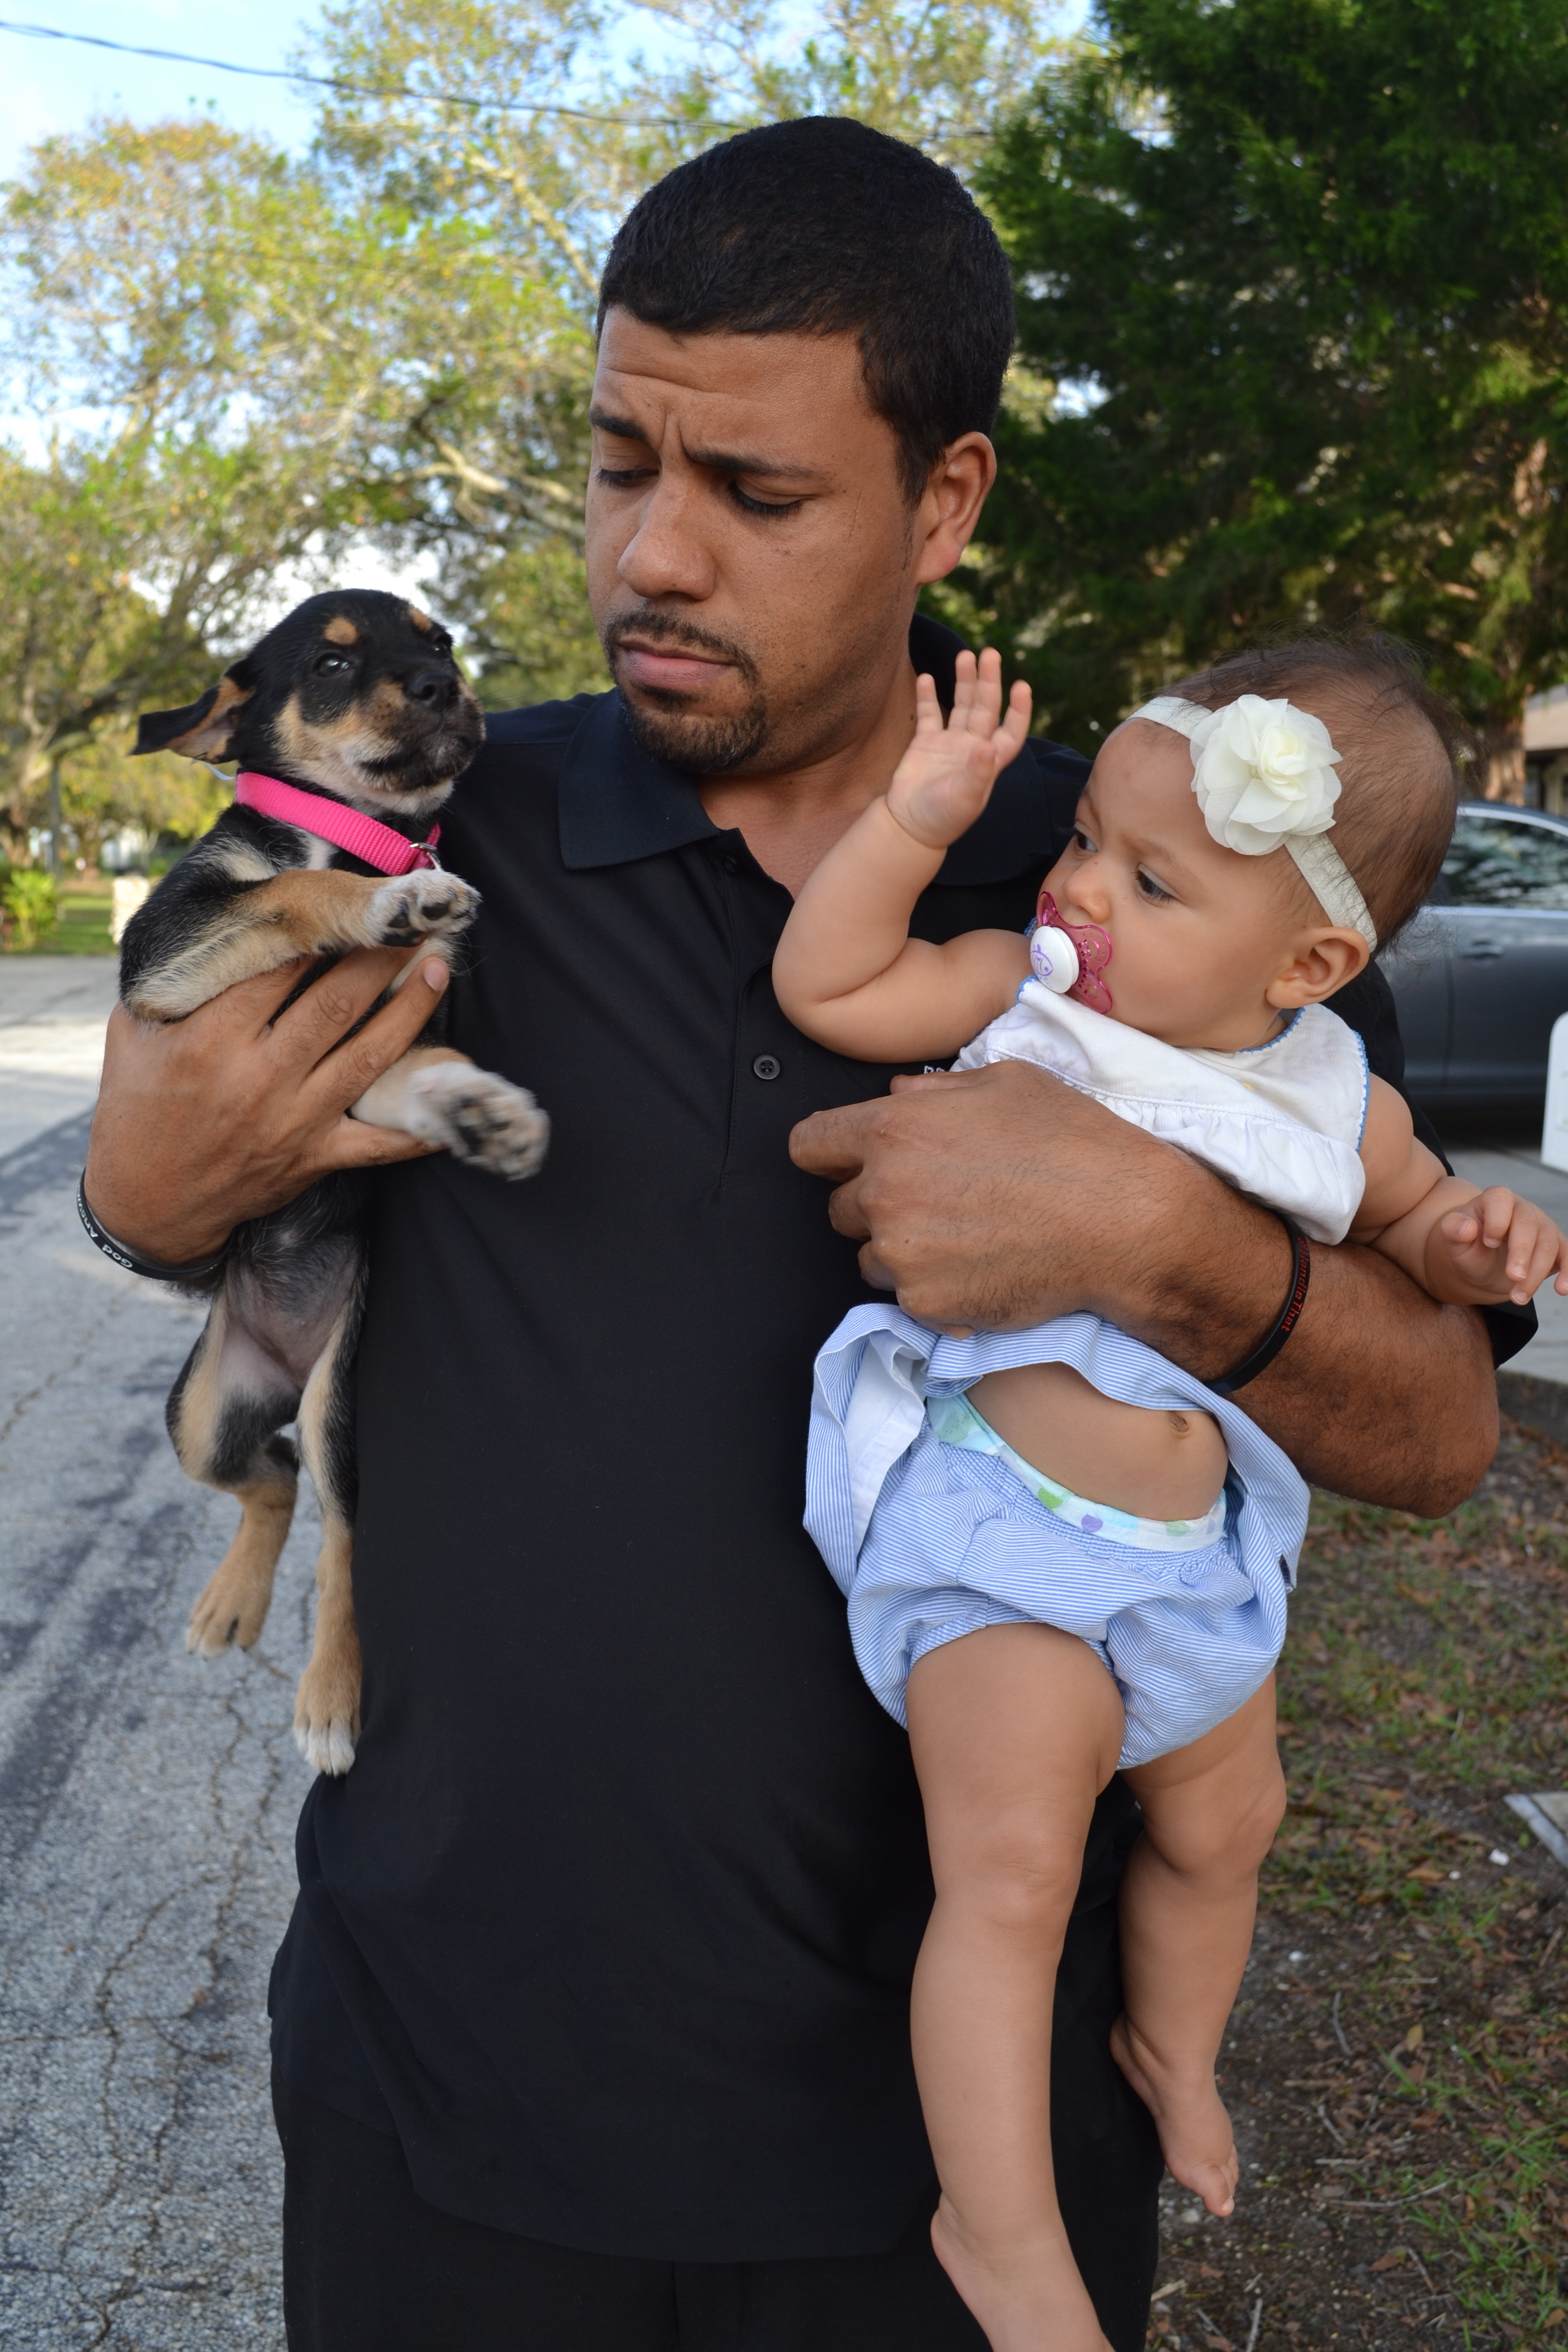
(929, 1542)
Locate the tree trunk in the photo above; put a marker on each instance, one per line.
(1502, 757)
(55, 862)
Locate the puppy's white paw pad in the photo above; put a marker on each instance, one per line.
(426, 905)
(482, 1118)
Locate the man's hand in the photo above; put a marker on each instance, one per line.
(206, 1121)
(1000, 1197)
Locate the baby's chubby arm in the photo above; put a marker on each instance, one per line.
(846, 971)
(1464, 1247)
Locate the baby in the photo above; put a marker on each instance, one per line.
(1062, 1554)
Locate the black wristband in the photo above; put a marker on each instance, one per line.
(149, 1266)
(1289, 1315)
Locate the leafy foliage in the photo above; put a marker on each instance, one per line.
(28, 901)
(267, 362)
(1297, 270)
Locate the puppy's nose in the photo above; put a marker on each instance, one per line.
(436, 688)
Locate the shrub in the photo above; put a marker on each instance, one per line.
(31, 909)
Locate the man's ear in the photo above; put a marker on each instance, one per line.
(202, 731)
(945, 520)
(1325, 962)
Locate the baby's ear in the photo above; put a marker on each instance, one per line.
(203, 728)
(1325, 962)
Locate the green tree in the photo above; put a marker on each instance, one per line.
(388, 341)
(491, 469)
(1294, 280)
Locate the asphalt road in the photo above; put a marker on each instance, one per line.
(147, 1799)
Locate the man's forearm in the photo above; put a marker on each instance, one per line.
(1001, 1198)
(1380, 1393)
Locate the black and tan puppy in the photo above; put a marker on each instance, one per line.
(356, 701)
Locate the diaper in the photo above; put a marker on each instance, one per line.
(934, 1527)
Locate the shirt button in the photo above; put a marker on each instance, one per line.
(766, 1065)
(731, 865)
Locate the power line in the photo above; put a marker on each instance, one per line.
(367, 89)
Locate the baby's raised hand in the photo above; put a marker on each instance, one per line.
(1505, 1246)
(944, 779)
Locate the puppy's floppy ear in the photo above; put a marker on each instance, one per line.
(203, 729)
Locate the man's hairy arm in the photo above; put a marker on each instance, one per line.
(204, 1122)
(1000, 1197)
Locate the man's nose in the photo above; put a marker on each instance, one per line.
(435, 688)
(668, 554)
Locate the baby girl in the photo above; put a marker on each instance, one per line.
(1063, 1555)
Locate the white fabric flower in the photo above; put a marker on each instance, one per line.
(1263, 771)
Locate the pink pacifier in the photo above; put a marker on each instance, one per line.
(1069, 958)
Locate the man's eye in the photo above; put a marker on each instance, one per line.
(1149, 888)
(625, 477)
(769, 507)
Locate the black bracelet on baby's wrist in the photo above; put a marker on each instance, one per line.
(1289, 1315)
(133, 1263)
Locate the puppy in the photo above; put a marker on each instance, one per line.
(352, 708)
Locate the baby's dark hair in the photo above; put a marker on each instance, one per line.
(1404, 752)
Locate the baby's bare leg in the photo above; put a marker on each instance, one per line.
(1016, 1730)
(1188, 1900)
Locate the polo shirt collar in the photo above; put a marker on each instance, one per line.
(618, 803)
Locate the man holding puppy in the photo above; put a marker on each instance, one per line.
(590, 2030)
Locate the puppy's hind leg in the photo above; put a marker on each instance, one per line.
(327, 1706)
(225, 1412)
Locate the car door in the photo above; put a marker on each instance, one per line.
(1419, 972)
(1507, 921)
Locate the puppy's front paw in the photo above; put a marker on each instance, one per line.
(229, 1615)
(478, 1116)
(326, 1716)
(425, 904)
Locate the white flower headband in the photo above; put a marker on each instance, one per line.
(1264, 776)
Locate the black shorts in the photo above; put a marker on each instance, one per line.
(368, 2267)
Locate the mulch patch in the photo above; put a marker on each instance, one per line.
(1397, 2065)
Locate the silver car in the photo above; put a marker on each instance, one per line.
(1483, 972)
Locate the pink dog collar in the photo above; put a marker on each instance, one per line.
(365, 837)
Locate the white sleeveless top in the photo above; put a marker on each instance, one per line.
(1282, 1122)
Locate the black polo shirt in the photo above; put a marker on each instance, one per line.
(613, 1920)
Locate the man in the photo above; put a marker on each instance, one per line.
(590, 2030)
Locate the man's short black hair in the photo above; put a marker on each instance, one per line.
(824, 227)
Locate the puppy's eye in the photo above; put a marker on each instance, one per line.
(326, 663)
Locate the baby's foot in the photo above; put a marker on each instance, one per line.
(1028, 2298)
(1196, 2137)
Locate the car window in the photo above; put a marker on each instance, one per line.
(1494, 863)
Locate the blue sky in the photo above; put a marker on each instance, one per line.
(58, 86)
(54, 86)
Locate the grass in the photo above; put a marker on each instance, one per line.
(1398, 2062)
(1448, 1678)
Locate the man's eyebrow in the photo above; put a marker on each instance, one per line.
(624, 428)
(716, 461)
